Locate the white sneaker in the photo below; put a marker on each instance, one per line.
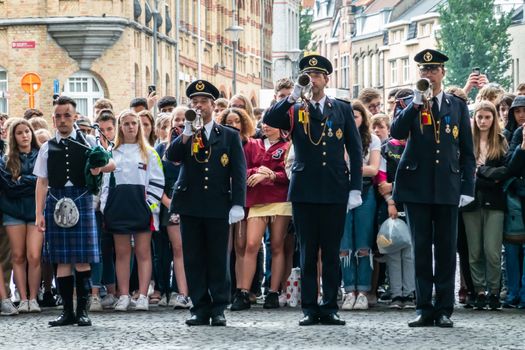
(142, 303)
(181, 302)
(361, 303)
(8, 308)
(348, 301)
(173, 299)
(123, 303)
(163, 301)
(33, 306)
(108, 301)
(94, 304)
(283, 300)
(23, 307)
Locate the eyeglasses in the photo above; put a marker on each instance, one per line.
(375, 106)
(427, 69)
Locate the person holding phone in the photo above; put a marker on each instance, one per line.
(475, 80)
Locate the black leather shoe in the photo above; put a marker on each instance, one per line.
(332, 320)
(218, 320)
(82, 315)
(444, 322)
(195, 320)
(65, 319)
(421, 321)
(308, 320)
(241, 301)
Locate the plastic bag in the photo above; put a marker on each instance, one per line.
(393, 236)
(293, 288)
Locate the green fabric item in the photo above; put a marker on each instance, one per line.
(97, 158)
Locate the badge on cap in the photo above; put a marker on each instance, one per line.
(312, 62)
(224, 159)
(427, 57)
(200, 86)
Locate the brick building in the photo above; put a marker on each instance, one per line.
(104, 48)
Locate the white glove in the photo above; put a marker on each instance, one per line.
(465, 200)
(296, 93)
(236, 214)
(188, 128)
(418, 97)
(354, 200)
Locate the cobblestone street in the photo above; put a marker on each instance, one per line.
(161, 328)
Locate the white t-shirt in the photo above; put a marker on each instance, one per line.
(375, 145)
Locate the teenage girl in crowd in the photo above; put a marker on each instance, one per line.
(130, 197)
(484, 217)
(17, 203)
(239, 119)
(266, 199)
(359, 234)
(170, 223)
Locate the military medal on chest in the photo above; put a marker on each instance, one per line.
(447, 124)
(330, 131)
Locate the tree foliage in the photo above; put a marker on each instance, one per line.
(305, 31)
(472, 35)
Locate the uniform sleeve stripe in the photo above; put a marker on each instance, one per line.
(156, 185)
(153, 195)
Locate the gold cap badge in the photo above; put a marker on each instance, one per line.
(199, 86)
(312, 62)
(427, 57)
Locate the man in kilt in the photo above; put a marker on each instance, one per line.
(65, 213)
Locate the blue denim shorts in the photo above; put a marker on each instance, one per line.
(8, 220)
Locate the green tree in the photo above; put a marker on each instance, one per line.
(305, 31)
(472, 35)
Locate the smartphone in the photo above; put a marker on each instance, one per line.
(151, 88)
(476, 70)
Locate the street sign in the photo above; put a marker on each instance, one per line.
(31, 83)
(56, 87)
(23, 44)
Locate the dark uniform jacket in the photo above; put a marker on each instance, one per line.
(320, 173)
(431, 172)
(210, 188)
(516, 162)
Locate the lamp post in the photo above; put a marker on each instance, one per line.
(234, 32)
(293, 55)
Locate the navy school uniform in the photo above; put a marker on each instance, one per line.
(210, 182)
(437, 167)
(319, 189)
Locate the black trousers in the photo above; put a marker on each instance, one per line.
(434, 225)
(206, 263)
(319, 226)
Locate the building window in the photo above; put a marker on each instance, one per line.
(393, 73)
(345, 71)
(425, 29)
(406, 70)
(3, 90)
(85, 90)
(396, 36)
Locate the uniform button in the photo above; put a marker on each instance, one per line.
(205, 187)
(322, 134)
(437, 161)
(206, 178)
(205, 169)
(322, 124)
(66, 148)
(67, 170)
(67, 177)
(437, 151)
(324, 143)
(67, 163)
(324, 163)
(408, 167)
(206, 152)
(67, 155)
(324, 153)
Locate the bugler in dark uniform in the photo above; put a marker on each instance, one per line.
(435, 174)
(319, 190)
(209, 194)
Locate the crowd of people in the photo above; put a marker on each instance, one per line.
(214, 212)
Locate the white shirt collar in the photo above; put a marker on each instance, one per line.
(207, 128)
(73, 135)
(321, 103)
(439, 98)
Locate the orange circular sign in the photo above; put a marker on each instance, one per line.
(31, 82)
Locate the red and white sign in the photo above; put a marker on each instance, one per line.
(23, 44)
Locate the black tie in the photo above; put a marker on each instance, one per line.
(435, 107)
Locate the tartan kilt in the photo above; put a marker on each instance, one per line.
(75, 245)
